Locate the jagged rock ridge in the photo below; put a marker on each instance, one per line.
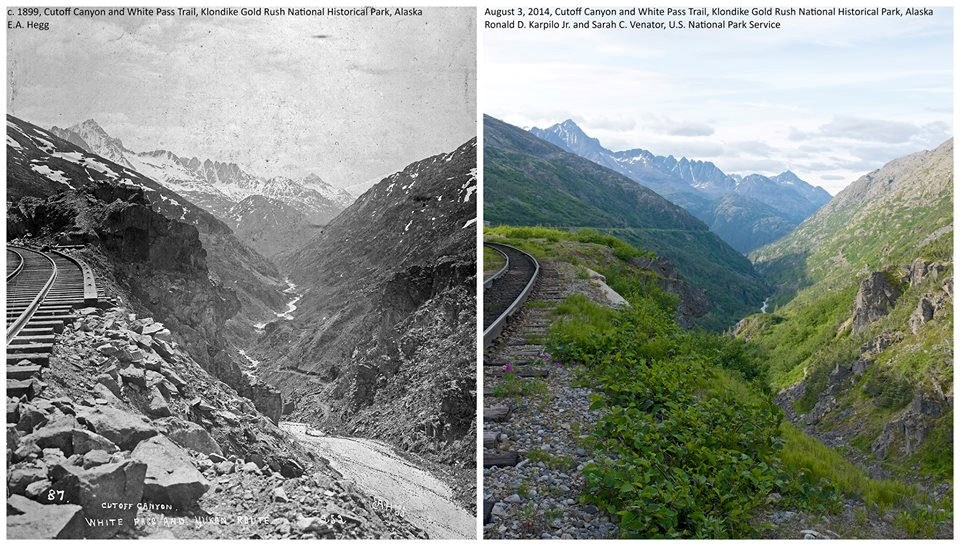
(746, 212)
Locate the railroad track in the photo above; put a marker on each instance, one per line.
(43, 290)
(505, 292)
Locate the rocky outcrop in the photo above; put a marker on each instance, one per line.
(171, 478)
(693, 301)
(907, 431)
(877, 295)
(920, 269)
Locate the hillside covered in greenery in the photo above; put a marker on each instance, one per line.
(860, 341)
(691, 442)
(528, 181)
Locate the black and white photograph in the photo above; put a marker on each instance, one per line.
(241, 272)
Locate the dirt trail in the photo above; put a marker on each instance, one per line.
(422, 499)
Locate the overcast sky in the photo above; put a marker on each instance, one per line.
(350, 99)
(828, 98)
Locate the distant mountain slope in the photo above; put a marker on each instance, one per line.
(884, 217)
(270, 226)
(528, 181)
(767, 207)
(382, 342)
(860, 334)
(212, 185)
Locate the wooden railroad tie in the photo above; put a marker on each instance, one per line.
(496, 413)
(500, 458)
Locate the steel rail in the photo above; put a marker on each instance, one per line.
(497, 325)
(500, 272)
(19, 267)
(27, 313)
(89, 280)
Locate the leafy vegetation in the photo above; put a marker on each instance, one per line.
(690, 443)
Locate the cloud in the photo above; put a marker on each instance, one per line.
(605, 123)
(753, 148)
(870, 130)
(691, 129)
(683, 128)
(873, 130)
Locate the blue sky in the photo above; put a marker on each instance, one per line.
(365, 99)
(829, 98)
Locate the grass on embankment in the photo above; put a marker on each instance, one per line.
(492, 261)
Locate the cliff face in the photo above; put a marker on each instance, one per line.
(383, 341)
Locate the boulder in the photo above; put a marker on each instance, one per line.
(31, 417)
(131, 354)
(26, 450)
(132, 375)
(153, 362)
(96, 457)
(13, 411)
(163, 349)
(105, 395)
(109, 382)
(158, 406)
(152, 378)
(267, 400)
(190, 435)
(107, 349)
(171, 477)
(56, 433)
(27, 519)
(877, 294)
(152, 329)
(288, 468)
(85, 441)
(173, 377)
(105, 492)
(20, 477)
(122, 428)
(168, 389)
(38, 488)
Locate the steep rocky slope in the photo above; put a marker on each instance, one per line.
(128, 437)
(860, 340)
(529, 181)
(746, 212)
(382, 342)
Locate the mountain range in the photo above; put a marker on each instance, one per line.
(746, 212)
(529, 181)
(221, 188)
